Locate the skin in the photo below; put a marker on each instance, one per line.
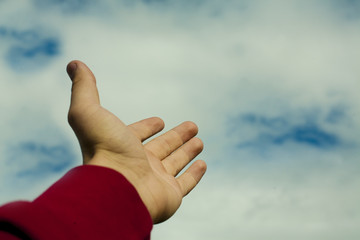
(152, 168)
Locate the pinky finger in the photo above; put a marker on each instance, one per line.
(192, 176)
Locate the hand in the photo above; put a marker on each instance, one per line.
(152, 168)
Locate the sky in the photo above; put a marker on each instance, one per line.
(272, 85)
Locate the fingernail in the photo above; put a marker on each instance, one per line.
(71, 69)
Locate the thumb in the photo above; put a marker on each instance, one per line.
(84, 91)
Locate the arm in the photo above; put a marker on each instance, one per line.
(151, 169)
(89, 202)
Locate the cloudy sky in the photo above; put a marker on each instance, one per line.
(272, 85)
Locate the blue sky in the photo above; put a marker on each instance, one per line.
(28, 48)
(272, 85)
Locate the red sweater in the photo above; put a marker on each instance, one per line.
(89, 202)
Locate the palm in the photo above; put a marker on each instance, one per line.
(152, 167)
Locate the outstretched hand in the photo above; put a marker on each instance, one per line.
(152, 168)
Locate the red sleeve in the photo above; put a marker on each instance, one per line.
(89, 202)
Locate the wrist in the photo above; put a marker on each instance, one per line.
(140, 181)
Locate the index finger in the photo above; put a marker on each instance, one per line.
(165, 144)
